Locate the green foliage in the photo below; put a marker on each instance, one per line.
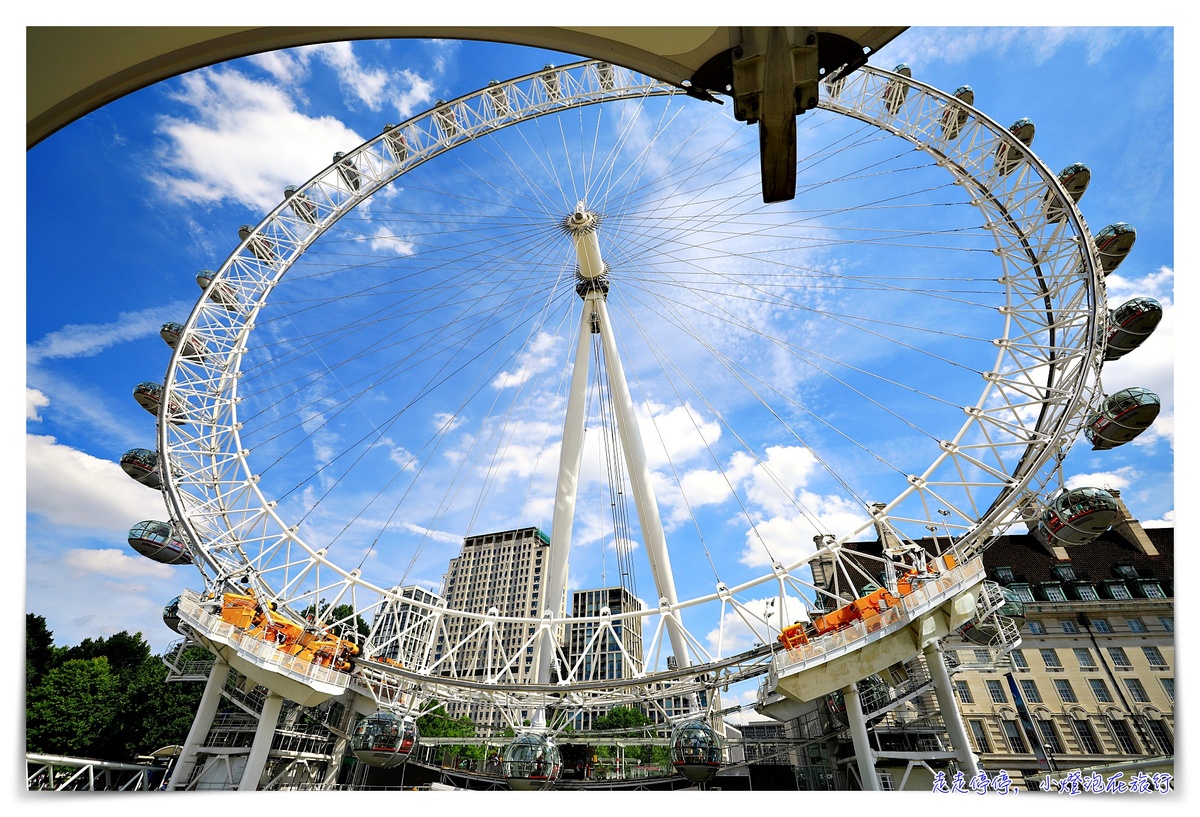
(105, 698)
(437, 723)
(72, 709)
(40, 652)
(341, 613)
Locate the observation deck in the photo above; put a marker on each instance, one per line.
(932, 610)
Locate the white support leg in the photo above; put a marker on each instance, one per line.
(863, 753)
(261, 748)
(201, 724)
(967, 761)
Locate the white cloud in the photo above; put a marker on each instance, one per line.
(70, 488)
(125, 565)
(86, 340)
(34, 400)
(762, 619)
(368, 85)
(544, 352)
(244, 142)
(416, 95)
(1119, 479)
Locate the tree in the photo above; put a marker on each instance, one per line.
(72, 710)
(40, 652)
(342, 613)
(125, 653)
(437, 723)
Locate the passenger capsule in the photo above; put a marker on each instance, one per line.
(604, 71)
(695, 751)
(157, 541)
(149, 396)
(1122, 417)
(301, 205)
(172, 333)
(384, 739)
(1076, 517)
(550, 82)
(347, 170)
(1074, 179)
(170, 614)
(1008, 159)
(445, 118)
(219, 292)
(1130, 324)
(1113, 243)
(896, 90)
(531, 762)
(260, 245)
(396, 141)
(955, 115)
(499, 98)
(142, 465)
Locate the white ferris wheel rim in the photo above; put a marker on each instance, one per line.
(213, 494)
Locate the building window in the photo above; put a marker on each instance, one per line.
(1087, 736)
(1022, 592)
(1155, 657)
(997, 693)
(1053, 592)
(1018, 659)
(1014, 737)
(1101, 625)
(1168, 624)
(1068, 626)
(1086, 592)
(885, 782)
(1136, 625)
(983, 657)
(1050, 659)
(1168, 685)
(1117, 590)
(1084, 656)
(1119, 658)
(979, 735)
(963, 691)
(1063, 571)
(1125, 571)
(1125, 741)
(1049, 737)
(1004, 575)
(1151, 590)
(1100, 690)
(1066, 692)
(1136, 690)
(1035, 627)
(1029, 692)
(1162, 736)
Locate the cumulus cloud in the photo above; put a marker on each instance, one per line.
(34, 401)
(755, 622)
(243, 142)
(70, 488)
(544, 352)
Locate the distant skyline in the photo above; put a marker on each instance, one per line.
(127, 204)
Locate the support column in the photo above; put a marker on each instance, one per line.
(863, 753)
(341, 744)
(569, 460)
(201, 724)
(261, 748)
(967, 761)
(649, 518)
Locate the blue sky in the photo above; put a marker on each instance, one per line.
(127, 204)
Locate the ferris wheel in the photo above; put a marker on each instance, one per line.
(560, 302)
